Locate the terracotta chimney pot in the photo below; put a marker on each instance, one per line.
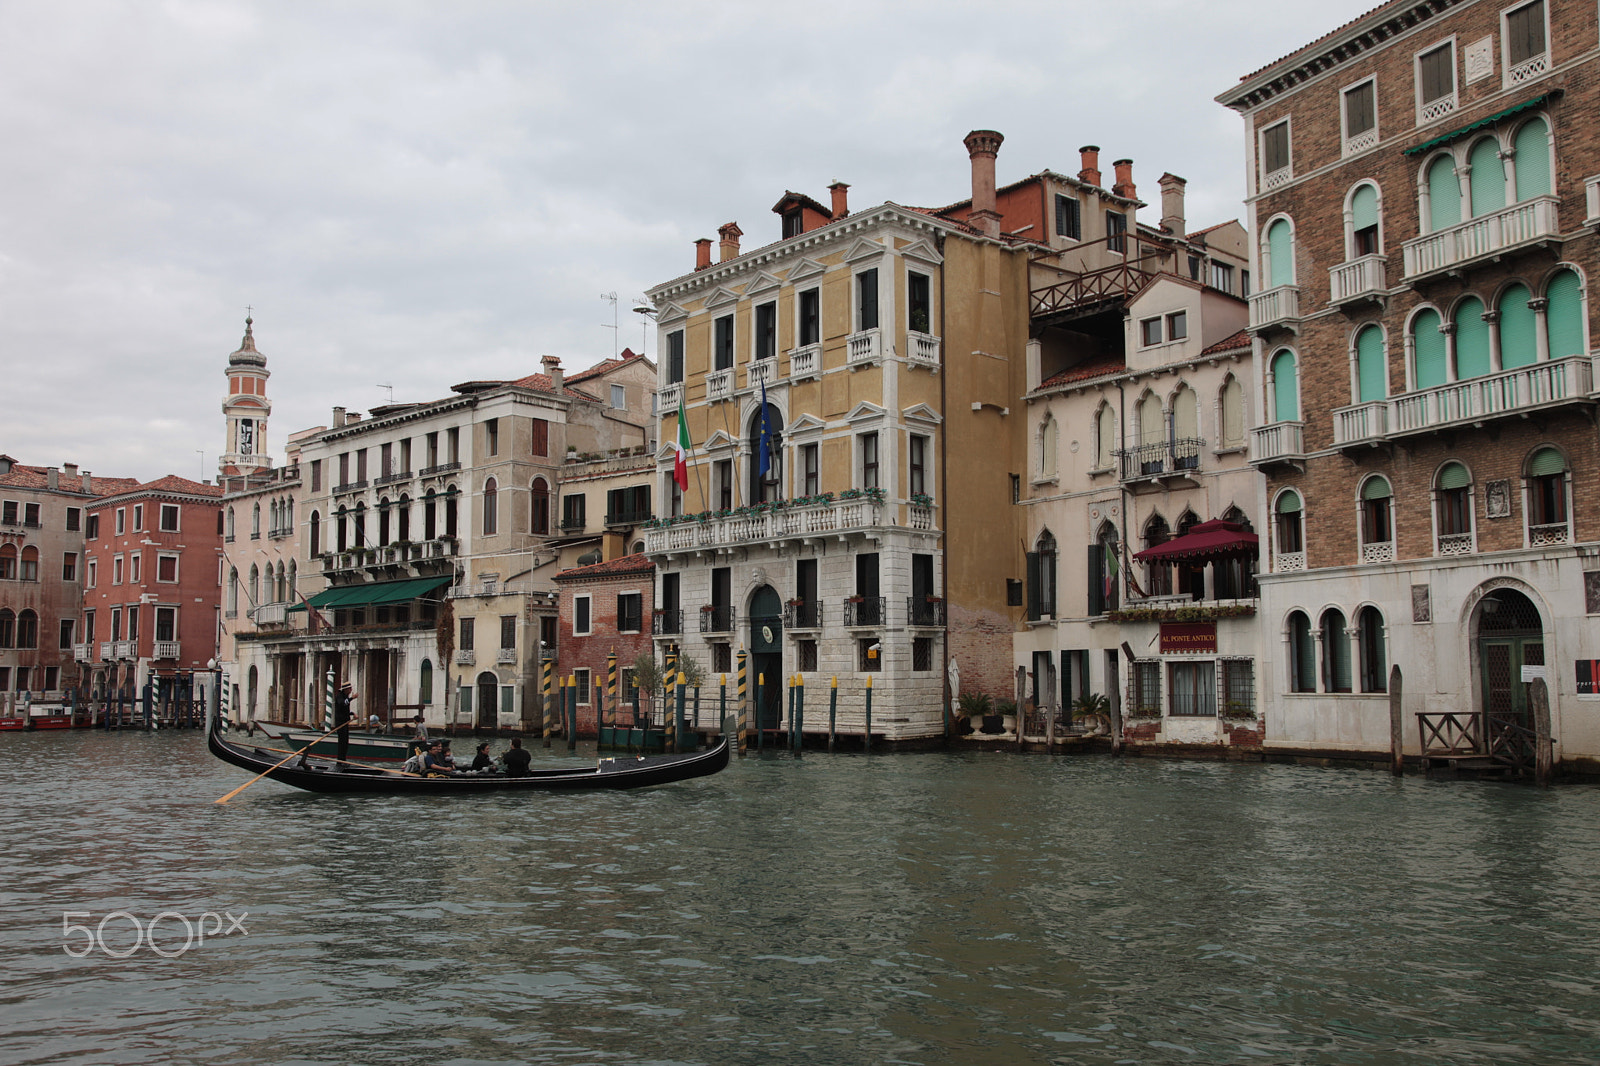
(982, 145)
(730, 235)
(841, 199)
(1090, 154)
(1124, 186)
(702, 253)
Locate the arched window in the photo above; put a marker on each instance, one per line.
(1564, 315)
(1519, 328)
(1105, 592)
(27, 629)
(1428, 349)
(361, 525)
(1532, 160)
(425, 683)
(30, 563)
(233, 590)
(254, 588)
(8, 562)
(1047, 447)
(1152, 434)
(450, 495)
(1444, 194)
(1105, 437)
(1157, 576)
(539, 519)
(1377, 520)
(8, 628)
(342, 530)
(491, 507)
(430, 516)
(1185, 429)
(316, 535)
(1364, 238)
(1285, 387)
(1374, 657)
(291, 585)
(1335, 651)
(1042, 577)
(1287, 526)
(1488, 178)
(286, 514)
(383, 521)
(230, 529)
(1280, 253)
(1232, 413)
(255, 521)
(1547, 498)
(765, 422)
(1453, 508)
(1472, 340)
(403, 518)
(1302, 654)
(1372, 370)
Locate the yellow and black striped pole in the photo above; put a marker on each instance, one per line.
(744, 701)
(611, 693)
(572, 711)
(667, 677)
(549, 666)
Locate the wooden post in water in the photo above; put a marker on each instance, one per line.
(788, 732)
(1543, 754)
(799, 713)
(611, 693)
(1050, 695)
(1022, 703)
(572, 712)
(833, 711)
(761, 681)
(722, 705)
(866, 743)
(744, 702)
(1397, 723)
(680, 739)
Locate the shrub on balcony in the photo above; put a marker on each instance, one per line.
(921, 499)
(1182, 614)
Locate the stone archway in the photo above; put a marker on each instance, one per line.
(488, 700)
(766, 654)
(1510, 636)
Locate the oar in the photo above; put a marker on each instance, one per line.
(274, 766)
(380, 769)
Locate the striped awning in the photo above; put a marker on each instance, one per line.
(375, 594)
(1464, 130)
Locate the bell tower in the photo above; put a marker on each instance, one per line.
(247, 408)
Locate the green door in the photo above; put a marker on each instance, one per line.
(766, 655)
(1510, 637)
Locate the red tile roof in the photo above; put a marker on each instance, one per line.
(626, 564)
(542, 383)
(170, 483)
(1083, 372)
(605, 366)
(37, 477)
(1228, 344)
(1304, 49)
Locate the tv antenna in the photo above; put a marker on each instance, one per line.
(382, 385)
(616, 325)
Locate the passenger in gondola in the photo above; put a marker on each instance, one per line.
(482, 761)
(516, 759)
(434, 762)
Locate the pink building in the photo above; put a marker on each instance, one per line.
(604, 608)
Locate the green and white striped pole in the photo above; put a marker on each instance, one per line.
(327, 702)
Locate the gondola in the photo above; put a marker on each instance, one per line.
(316, 775)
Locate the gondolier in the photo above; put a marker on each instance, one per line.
(341, 717)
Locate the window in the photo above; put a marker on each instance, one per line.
(674, 497)
(1377, 522)
(722, 471)
(574, 506)
(1372, 371)
(8, 628)
(581, 688)
(1287, 526)
(1042, 578)
(539, 518)
(1178, 326)
(116, 570)
(28, 628)
(619, 398)
(93, 574)
(1275, 161)
(541, 432)
(811, 469)
(1364, 222)
(917, 464)
(316, 475)
(869, 652)
(919, 304)
(1531, 163)
(1149, 332)
(1302, 654)
(1105, 437)
(122, 520)
(1233, 414)
(166, 623)
(867, 300)
(1069, 222)
(68, 628)
(580, 616)
(1436, 82)
(1144, 689)
(167, 570)
(491, 436)
(69, 566)
(869, 460)
(675, 356)
(1194, 689)
(1547, 497)
(806, 654)
(722, 658)
(30, 515)
(810, 317)
(88, 626)
(1360, 117)
(1104, 566)
(93, 532)
(1116, 228)
(491, 510)
(1564, 315)
(467, 634)
(8, 562)
(1523, 36)
(74, 519)
(630, 612)
(1284, 387)
(766, 330)
(723, 346)
(1335, 651)
(1280, 254)
(138, 518)
(1374, 664)
(508, 632)
(1221, 276)
(361, 465)
(30, 563)
(1238, 688)
(9, 512)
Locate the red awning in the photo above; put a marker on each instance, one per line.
(1215, 539)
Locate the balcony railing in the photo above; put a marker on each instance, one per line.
(108, 649)
(1362, 422)
(806, 615)
(1278, 441)
(825, 518)
(1479, 238)
(627, 518)
(390, 479)
(865, 347)
(719, 384)
(716, 618)
(127, 649)
(1508, 392)
(1378, 552)
(167, 649)
(669, 397)
(270, 614)
(1366, 276)
(1167, 458)
(350, 486)
(762, 371)
(440, 468)
(1289, 562)
(922, 349)
(1550, 533)
(667, 622)
(82, 653)
(572, 523)
(506, 657)
(919, 516)
(920, 611)
(865, 611)
(465, 657)
(1274, 307)
(805, 362)
(1455, 544)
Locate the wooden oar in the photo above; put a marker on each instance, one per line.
(365, 766)
(274, 766)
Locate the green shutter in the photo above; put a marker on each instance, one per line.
(1364, 208)
(1285, 390)
(1546, 461)
(507, 694)
(1454, 476)
(1472, 340)
(1371, 371)
(1376, 488)
(1564, 318)
(1488, 178)
(1444, 195)
(1533, 160)
(1305, 653)
(1518, 328)
(1289, 502)
(1336, 646)
(1430, 349)
(1281, 249)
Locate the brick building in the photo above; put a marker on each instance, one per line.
(1424, 187)
(604, 608)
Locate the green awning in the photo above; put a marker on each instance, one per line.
(375, 594)
(1496, 117)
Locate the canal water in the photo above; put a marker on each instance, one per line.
(916, 908)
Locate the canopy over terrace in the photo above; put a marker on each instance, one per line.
(1207, 542)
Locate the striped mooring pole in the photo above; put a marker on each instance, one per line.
(744, 702)
(327, 701)
(548, 667)
(611, 692)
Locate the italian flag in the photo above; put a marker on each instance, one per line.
(680, 465)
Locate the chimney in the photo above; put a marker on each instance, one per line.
(88, 481)
(552, 368)
(1124, 186)
(730, 235)
(338, 417)
(1090, 154)
(981, 147)
(52, 479)
(70, 469)
(1172, 204)
(841, 199)
(702, 253)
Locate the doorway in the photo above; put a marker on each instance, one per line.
(1510, 637)
(766, 654)
(488, 700)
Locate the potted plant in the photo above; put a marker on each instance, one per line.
(980, 707)
(1006, 710)
(931, 598)
(919, 320)
(855, 599)
(1093, 711)
(796, 602)
(921, 499)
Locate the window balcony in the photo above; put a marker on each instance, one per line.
(465, 657)
(127, 649)
(1364, 421)
(108, 650)
(865, 348)
(666, 623)
(919, 516)
(1160, 461)
(573, 523)
(1277, 308)
(805, 362)
(271, 614)
(506, 657)
(922, 611)
(167, 649)
(802, 616)
(717, 618)
(865, 611)
(812, 520)
(1508, 393)
(761, 372)
(627, 518)
(1551, 533)
(349, 486)
(1591, 201)
(1455, 544)
(1289, 562)
(1359, 279)
(392, 479)
(82, 653)
(1379, 552)
(719, 384)
(669, 397)
(1278, 442)
(1521, 225)
(922, 349)
(441, 468)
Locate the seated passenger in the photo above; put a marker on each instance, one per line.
(481, 761)
(516, 759)
(434, 762)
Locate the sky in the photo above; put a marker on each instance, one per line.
(413, 195)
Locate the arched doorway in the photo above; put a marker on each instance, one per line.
(766, 439)
(1510, 636)
(766, 654)
(488, 700)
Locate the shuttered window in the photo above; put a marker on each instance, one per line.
(1364, 220)
(1372, 378)
(1275, 148)
(1525, 33)
(1437, 71)
(867, 299)
(1068, 217)
(1360, 109)
(1563, 316)
(1232, 413)
(1280, 249)
(1336, 651)
(1285, 388)
(1303, 664)
(1532, 160)
(1454, 476)
(1518, 328)
(1472, 340)
(1151, 422)
(1105, 438)
(1488, 178)
(1185, 415)
(1444, 195)
(1429, 347)
(1545, 462)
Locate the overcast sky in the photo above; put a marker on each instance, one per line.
(420, 194)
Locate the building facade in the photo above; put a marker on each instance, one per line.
(1424, 187)
(606, 609)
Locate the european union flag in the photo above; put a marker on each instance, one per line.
(766, 433)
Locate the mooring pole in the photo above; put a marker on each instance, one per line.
(866, 737)
(788, 732)
(572, 712)
(1397, 723)
(547, 669)
(799, 714)
(681, 737)
(1543, 754)
(744, 703)
(833, 710)
(761, 680)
